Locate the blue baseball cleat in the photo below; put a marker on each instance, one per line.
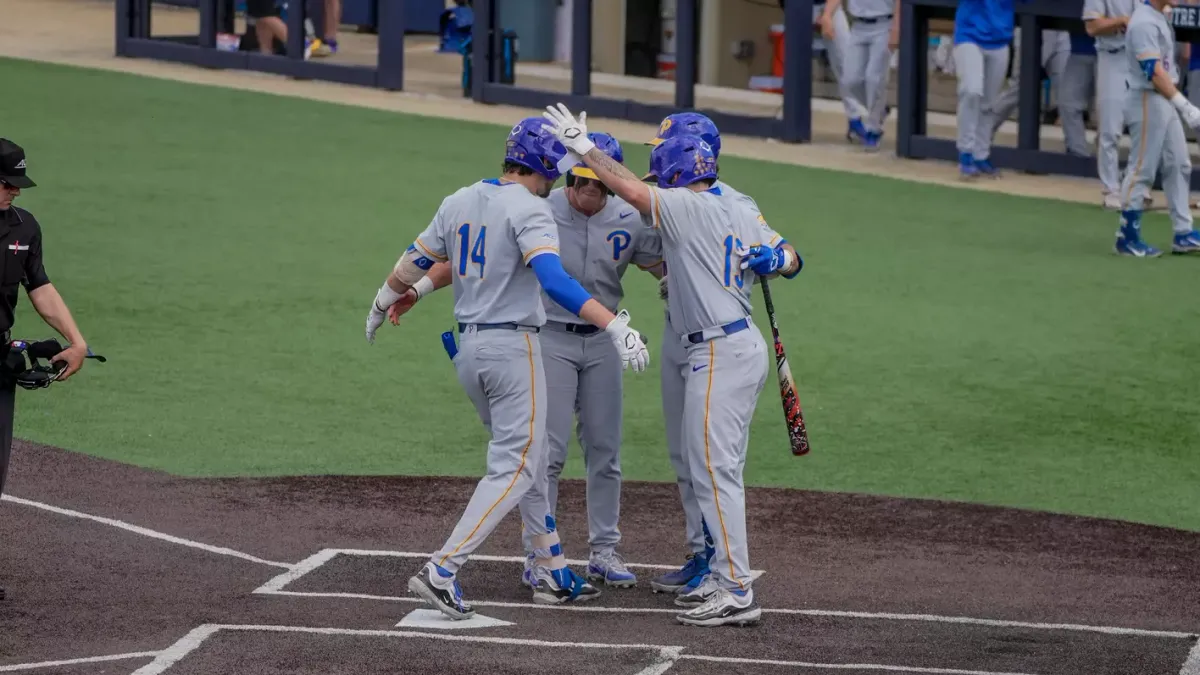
(871, 141)
(856, 133)
(966, 166)
(671, 582)
(986, 168)
(608, 567)
(1188, 242)
(1129, 237)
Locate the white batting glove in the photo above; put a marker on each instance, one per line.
(662, 287)
(629, 343)
(571, 132)
(374, 320)
(1189, 112)
(385, 298)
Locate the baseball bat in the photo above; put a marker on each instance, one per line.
(793, 416)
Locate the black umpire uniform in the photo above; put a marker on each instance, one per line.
(20, 264)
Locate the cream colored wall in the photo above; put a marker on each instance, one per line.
(608, 36)
(736, 20)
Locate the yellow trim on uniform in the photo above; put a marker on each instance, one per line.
(1141, 158)
(774, 239)
(539, 250)
(524, 453)
(1148, 55)
(651, 265)
(429, 253)
(1088, 16)
(657, 219)
(712, 360)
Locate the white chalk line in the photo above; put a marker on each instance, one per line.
(298, 570)
(1192, 665)
(176, 652)
(145, 532)
(71, 662)
(665, 661)
(845, 666)
(880, 616)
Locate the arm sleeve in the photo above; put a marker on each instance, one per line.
(432, 242)
(35, 270)
(536, 234)
(560, 286)
(648, 249)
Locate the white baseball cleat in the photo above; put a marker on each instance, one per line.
(724, 608)
(694, 595)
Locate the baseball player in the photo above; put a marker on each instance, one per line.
(1106, 20)
(498, 306)
(1153, 108)
(866, 62)
(713, 251)
(692, 583)
(983, 30)
(835, 34)
(598, 239)
(1071, 93)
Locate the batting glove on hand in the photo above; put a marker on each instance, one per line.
(630, 344)
(764, 260)
(1189, 112)
(374, 321)
(384, 299)
(662, 287)
(571, 132)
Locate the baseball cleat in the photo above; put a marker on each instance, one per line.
(1112, 202)
(1129, 237)
(724, 608)
(527, 574)
(697, 592)
(856, 132)
(324, 48)
(986, 168)
(440, 589)
(966, 166)
(555, 587)
(671, 582)
(608, 567)
(871, 141)
(1188, 242)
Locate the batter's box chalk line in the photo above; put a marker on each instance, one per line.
(665, 656)
(276, 585)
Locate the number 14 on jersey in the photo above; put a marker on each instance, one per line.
(475, 254)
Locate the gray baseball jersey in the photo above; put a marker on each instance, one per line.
(702, 232)
(583, 371)
(1149, 36)
(1108, 9)
(596, 250)
(869, 9)
(489, 232)
(673, 381)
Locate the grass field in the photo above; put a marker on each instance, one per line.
(222, 248)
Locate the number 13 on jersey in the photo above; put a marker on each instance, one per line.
(474, 253)
(733, 263)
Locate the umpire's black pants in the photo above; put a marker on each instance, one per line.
(8, 398)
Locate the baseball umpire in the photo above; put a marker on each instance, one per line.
(21, 237)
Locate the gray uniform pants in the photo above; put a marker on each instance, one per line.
(673, 375)
(725, 378)
(980, 77)
(501, 371)
(583, 378)
(1110, 108)
(1158, 140)
(867, 69)
(837, 51)
(1076, 89)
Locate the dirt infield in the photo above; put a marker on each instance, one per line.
(115, 569)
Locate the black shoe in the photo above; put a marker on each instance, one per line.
(439, 588)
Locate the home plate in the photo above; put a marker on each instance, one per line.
(431, 618)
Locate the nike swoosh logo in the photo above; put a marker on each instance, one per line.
(625, 215)
(695, 368)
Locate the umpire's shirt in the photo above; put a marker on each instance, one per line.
(21, 256)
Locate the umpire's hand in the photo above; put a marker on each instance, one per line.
(73, 356)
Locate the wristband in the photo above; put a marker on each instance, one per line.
(1180, 102)
(423, 287)
(386, 297)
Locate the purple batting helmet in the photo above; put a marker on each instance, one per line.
(689, 123)
(682, 160)
(608, 145)
(532, 145)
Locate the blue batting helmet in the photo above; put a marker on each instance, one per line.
(608, 145)
(689, 123)
(532, 145)
(682, 160)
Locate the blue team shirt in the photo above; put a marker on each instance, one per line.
(987, 23)
(1194, 60)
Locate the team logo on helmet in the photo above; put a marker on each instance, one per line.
(666, 124)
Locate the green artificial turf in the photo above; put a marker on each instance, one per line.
(222, 249)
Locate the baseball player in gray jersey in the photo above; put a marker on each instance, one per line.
(707, 241)
(1107, 20)
(835, 33)
(599, 236)
(983, 30)
(498, 306)
(692, 583)
(1153, 108)
(867, 61)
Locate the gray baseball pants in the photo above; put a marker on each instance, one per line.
(980, 77)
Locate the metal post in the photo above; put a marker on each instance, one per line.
(481, 47)
(208, 24)
(124, 26)
(226, 16)
(316, 14)
(581, 47)
(797, 71)
(1029, 108)
(914, 47)
(295, 26)
(390, 23)
(141, 19)
(685, 54)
